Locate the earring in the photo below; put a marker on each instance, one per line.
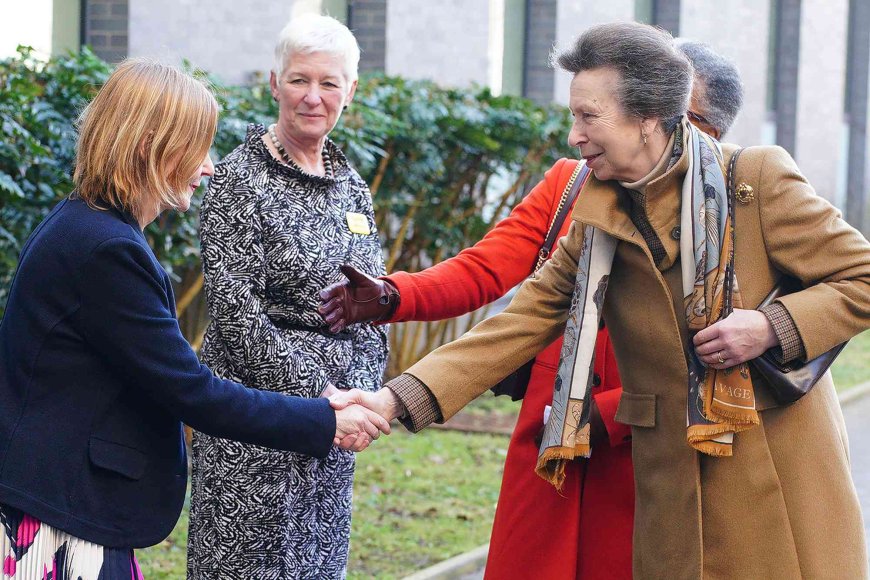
(344, 108)
(644, 137)
(275, 98)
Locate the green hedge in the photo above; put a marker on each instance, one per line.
(443, 164)
(38, 106)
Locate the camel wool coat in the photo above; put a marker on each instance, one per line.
(784, 506)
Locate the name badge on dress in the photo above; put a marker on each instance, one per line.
(358, 223)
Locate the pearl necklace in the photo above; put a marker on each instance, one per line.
(285, 157)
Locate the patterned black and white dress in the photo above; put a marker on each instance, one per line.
(272, 237)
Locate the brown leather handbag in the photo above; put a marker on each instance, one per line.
(515, 384)
(791, 380)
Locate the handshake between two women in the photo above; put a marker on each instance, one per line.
(361, 416)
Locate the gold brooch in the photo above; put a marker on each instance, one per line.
(744, 193)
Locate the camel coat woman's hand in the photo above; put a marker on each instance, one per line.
(742, 336)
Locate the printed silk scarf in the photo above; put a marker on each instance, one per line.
(720, 402)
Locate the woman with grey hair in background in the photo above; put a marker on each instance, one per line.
(281, 213)
(730, 482)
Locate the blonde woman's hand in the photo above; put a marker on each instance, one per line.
(356, 427)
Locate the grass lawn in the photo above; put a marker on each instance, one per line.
(420, 499)
(417, 500)
(852, 367)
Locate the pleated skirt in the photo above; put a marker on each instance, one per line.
(32, 550)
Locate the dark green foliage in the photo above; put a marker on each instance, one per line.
(442, 163)
(38, 107)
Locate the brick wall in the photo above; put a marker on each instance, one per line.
(819, 134)
(425, 41)
(234, 40)
(368, 21)
(738, 32)
(106, 25)
(538, 77)
(573, 18)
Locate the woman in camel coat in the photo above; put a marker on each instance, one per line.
(759, 490)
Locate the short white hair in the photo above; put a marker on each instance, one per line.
(311, 33)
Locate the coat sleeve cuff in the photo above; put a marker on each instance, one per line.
(607, 402)
(421, 408)
(791, 346)
(320, 417)
(405, 303)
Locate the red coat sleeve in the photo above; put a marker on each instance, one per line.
(486, 271)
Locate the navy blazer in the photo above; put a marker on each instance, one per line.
(96, 377)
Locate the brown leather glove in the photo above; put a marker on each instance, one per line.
(360, 298)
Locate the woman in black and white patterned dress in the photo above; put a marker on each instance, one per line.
(282, 212)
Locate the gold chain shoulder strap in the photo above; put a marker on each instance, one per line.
(545, 249)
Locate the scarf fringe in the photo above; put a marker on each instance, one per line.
(551, 463)
(713, 448)
(701, 438)
(701, 433)
(741, 419)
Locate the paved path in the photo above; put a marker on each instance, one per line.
(857, 414)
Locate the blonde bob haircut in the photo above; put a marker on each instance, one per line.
(142, 138)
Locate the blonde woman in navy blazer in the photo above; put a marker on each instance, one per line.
(95, 376)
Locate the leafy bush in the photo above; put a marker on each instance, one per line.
(443, 166)
(38, 106)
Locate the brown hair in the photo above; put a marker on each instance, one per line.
(655, 77)
(142, 137)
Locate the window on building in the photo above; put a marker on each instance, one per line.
(514, 44)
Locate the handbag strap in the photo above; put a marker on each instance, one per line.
(569, 194)
(732, 172)
(730, 178)
(785, 284)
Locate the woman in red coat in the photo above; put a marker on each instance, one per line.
(595, 534)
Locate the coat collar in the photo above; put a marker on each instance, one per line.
(129, 219)
(120, 213)
(662, 203)
(605, 205)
